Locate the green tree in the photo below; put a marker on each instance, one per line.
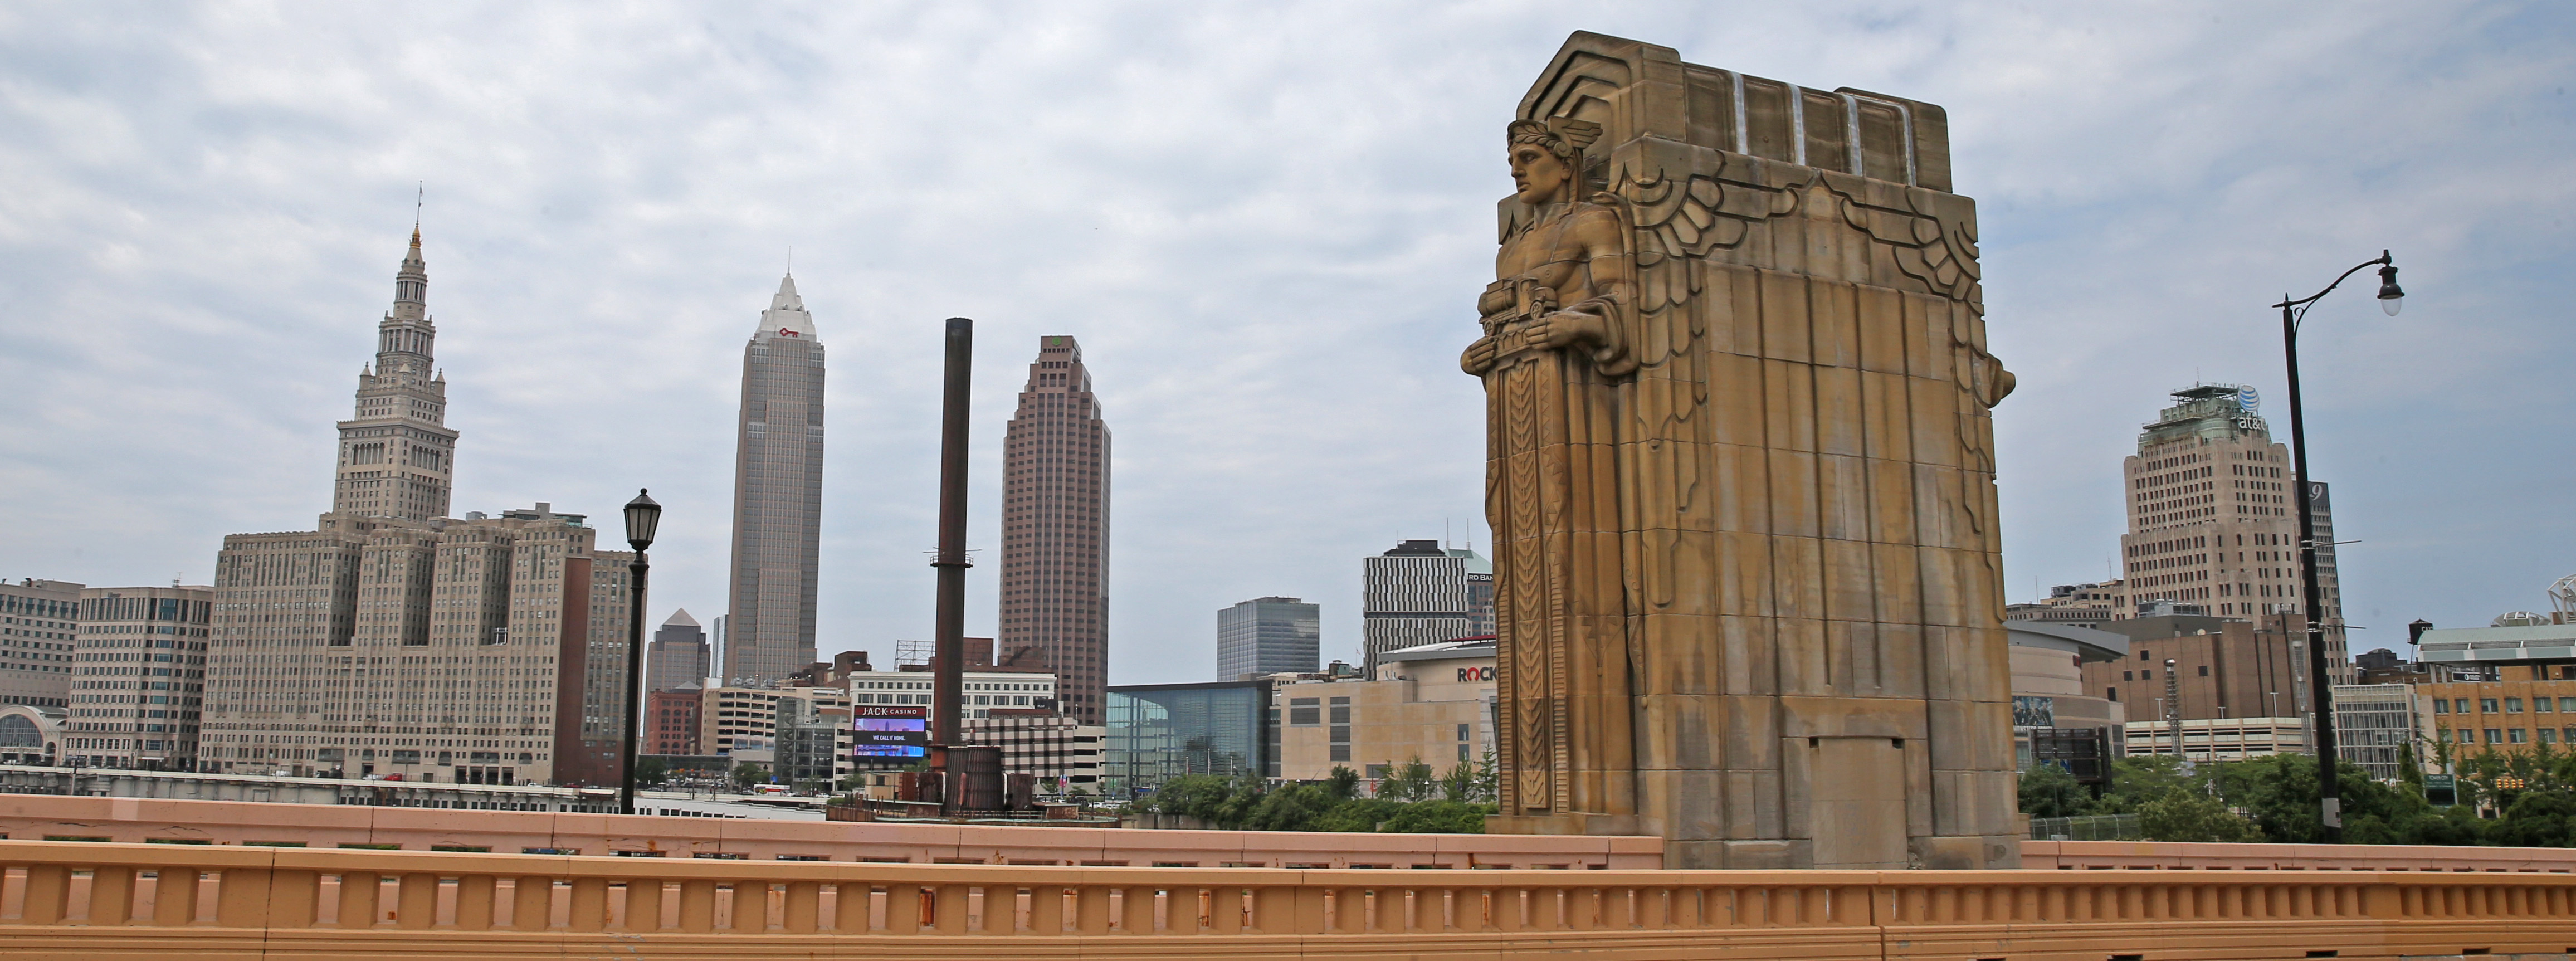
(1357, 815)
(651, 772)
(1410, 781)
(2048, 791)
(748, 774)
(2539, 819)
(1439, 817)
(2280, 793)
(2540, 767)
(1460, 783)
(1293, 807)
(2183, 815)
(2459, 825)
(2135, 781)
(2478, 774)
(1344, 783)
(1201, 796)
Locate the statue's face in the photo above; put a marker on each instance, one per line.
(1537, 176)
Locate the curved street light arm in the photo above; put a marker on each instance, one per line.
(2302, 303)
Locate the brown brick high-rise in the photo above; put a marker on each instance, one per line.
(2213, 520)
(1055, 528)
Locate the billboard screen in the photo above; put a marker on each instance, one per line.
(889, 731)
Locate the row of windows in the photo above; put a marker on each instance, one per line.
(2510, 705)
(36, 606)
(2514, 735)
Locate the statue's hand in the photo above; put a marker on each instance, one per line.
(1479, 357)
(1567, 328)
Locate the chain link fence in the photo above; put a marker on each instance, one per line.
(2091, 827)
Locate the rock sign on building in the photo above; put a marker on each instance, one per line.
(1741, 476)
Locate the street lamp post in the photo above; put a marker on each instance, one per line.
(642, 516)
(2320, 688)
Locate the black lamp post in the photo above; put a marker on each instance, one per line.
(2320, 687)
(642, 516)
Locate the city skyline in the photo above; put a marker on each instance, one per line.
(596, 268)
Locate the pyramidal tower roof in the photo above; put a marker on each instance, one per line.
(786, 316)
(681, 619)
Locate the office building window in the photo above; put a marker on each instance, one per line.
(1304, 712)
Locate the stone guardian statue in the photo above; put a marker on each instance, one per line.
(1554, 344)
(1740, 474)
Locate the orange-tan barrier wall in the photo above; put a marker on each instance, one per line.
(2162, 855)
(138, 820)
(111, 901)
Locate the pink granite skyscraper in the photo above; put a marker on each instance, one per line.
(1055, 528)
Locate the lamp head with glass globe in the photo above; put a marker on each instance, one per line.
(642, 516)
(2390, 296)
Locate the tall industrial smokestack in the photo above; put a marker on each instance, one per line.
(948, 659)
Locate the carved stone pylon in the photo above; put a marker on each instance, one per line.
(1747, 575)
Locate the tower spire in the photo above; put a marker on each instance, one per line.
(411, 280)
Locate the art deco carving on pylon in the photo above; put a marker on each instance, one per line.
(1689, 204)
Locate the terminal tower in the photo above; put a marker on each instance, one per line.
(397, 456)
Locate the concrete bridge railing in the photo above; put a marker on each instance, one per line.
(109, 900)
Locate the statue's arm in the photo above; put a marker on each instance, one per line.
(1606, 261)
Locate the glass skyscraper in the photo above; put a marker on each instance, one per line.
(1267, 635)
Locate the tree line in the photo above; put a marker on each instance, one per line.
(2521, 799)
(1410, 799)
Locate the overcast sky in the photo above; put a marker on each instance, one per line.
(1267, 226)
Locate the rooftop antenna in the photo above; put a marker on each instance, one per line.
(419, 197)
(1444, 533)
(791, 260)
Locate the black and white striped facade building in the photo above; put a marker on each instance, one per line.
(1421, 593)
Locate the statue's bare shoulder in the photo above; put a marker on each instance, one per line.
(1597, 228)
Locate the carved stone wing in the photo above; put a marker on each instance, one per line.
(1933, 235)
